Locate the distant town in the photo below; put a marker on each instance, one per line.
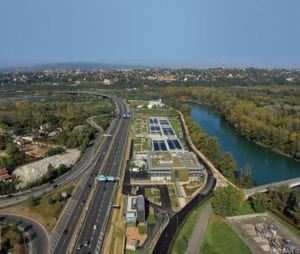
(139, 77)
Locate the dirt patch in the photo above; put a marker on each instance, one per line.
(33, 171)
(133, 233)
(35, 150)
(117, 246)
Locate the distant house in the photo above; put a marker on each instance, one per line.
(28, 139)
(4, 175)
(21, 141)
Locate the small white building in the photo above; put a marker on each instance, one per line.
(155, 103)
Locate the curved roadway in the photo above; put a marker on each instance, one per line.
(104, 157)
(77, 170)
(37, 241)
(87, 167)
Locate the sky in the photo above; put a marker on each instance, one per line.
(156, 33)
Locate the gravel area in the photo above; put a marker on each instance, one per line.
(33, 171)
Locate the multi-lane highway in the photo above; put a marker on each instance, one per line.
(107, 159)
(77, 170)
(88, 168)
(94, 227)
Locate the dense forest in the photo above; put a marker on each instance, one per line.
(268, 115)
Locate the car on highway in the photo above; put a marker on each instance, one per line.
(95, 227)
(65, 231)
(82, 202)
(86, 243)
(79, 246)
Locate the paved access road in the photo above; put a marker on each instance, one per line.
(195, 241)
(103, 157)
(37, 241)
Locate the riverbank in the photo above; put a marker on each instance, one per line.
(221, 180)
(210, 107)
(265, 165)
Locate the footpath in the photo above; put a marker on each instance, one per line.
(199, 230)
(221, 180)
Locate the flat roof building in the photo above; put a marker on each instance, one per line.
(135, 210)
(176, 166)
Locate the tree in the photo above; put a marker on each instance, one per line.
(227, 165)
(227, 201)
(50, 201)
(245, 178)
(11, 149)
(31, 201)
(259, 202)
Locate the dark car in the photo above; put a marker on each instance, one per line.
(65, 231)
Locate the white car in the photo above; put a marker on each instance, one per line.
(95, 227)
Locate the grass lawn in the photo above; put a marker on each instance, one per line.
(138, 141)
(156, 112)
(191, 187)
(174, 201)
(173, 197)
(146, 146)
(182, 238)
(135, 252)
(153, 195)
(219, 238)
(142, 229)
(246, 208)
(176, 126)
(151, 219)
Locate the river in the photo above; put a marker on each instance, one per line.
(266, 166)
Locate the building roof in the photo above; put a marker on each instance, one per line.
(140, 202)
(173, 160)
(3, 171)
(135, 203)
(4, 175)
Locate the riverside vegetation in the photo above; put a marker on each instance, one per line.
(268, 115)
(210, 147)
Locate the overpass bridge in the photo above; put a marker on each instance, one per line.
(263, 188)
